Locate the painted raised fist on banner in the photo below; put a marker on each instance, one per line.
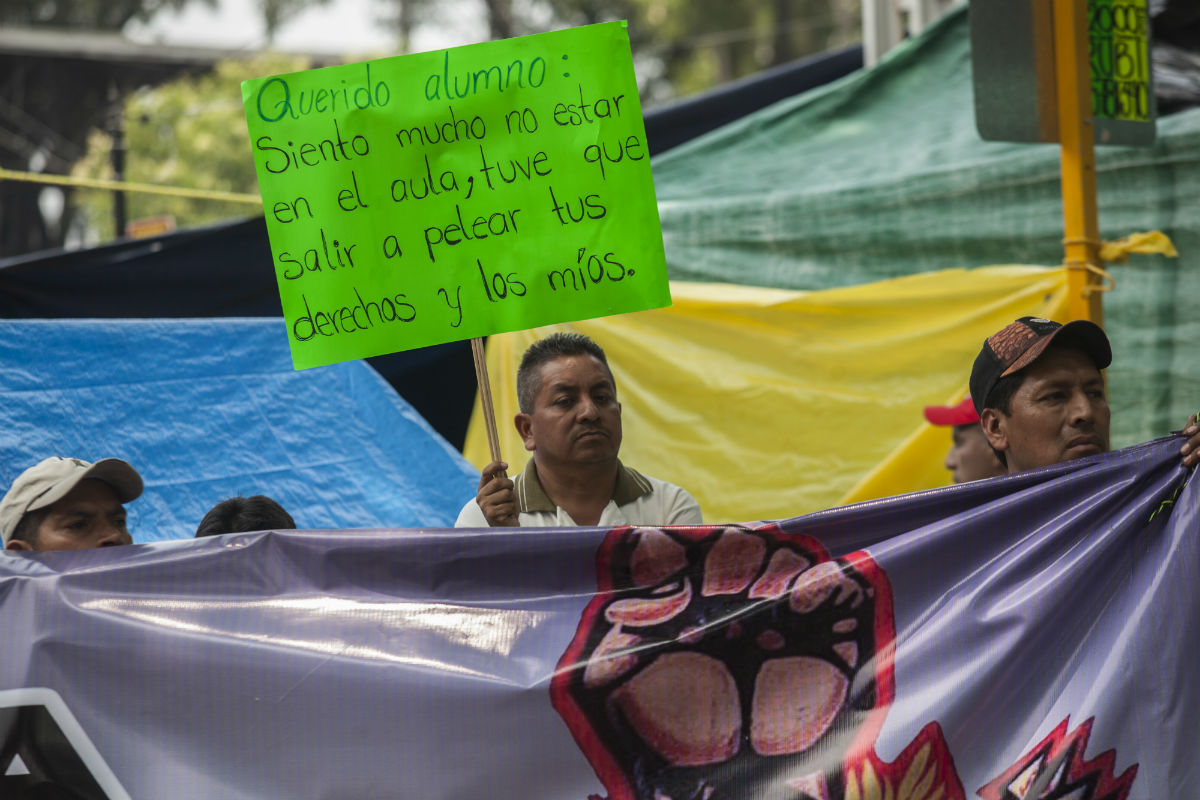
(726, 663)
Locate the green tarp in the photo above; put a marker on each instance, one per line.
(883, 174)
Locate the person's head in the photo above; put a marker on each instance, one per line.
(69, 504)
(568, 400)
(1039, 393)
(244, 515)
(970, 457)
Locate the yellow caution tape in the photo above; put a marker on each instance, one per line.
(125, 186)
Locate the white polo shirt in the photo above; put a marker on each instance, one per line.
(637, 500)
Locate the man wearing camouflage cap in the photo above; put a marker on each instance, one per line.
(1037, 387)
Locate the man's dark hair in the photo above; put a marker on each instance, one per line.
(245, 514)
(558, 345)
(1001, 395)
(1000, 398)
(27, 528)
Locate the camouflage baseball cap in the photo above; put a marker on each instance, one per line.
(1018, 345)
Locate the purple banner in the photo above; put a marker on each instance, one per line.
(1029, 636)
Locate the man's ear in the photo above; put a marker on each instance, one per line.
(18, 544)
(524, 425)
(994, 429)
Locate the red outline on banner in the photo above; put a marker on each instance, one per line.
(1075, 770)
(893, 775)
(609, 771)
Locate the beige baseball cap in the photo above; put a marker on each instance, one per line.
(52, 479)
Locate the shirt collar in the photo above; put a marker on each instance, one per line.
(531, 497)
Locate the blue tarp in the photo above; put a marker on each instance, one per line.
(208, 409)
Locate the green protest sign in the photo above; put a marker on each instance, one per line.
(453, 194)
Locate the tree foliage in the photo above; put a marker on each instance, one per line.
(110, 15)
(703, 43)
(682, 46)
(276, 12)
(188, 133)
(192, 133)
(49, 102)
(405, 16)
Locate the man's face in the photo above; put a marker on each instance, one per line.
(88, 516)
(970, 457)
(576, 418)
(1059, 413)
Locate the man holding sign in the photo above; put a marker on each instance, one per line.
(452, 195)
(571, 421)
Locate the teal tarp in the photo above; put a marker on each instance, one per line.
(883, 174)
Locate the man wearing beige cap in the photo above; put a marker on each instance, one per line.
(69, 504)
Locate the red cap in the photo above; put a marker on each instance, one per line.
(961, 414)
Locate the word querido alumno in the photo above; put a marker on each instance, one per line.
(447, 195)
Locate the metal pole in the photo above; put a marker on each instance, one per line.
(1081, 227)
(116, 128)
(881, 29)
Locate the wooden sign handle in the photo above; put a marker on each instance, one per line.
(485, 398)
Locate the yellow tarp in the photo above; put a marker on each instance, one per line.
(768, 403)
